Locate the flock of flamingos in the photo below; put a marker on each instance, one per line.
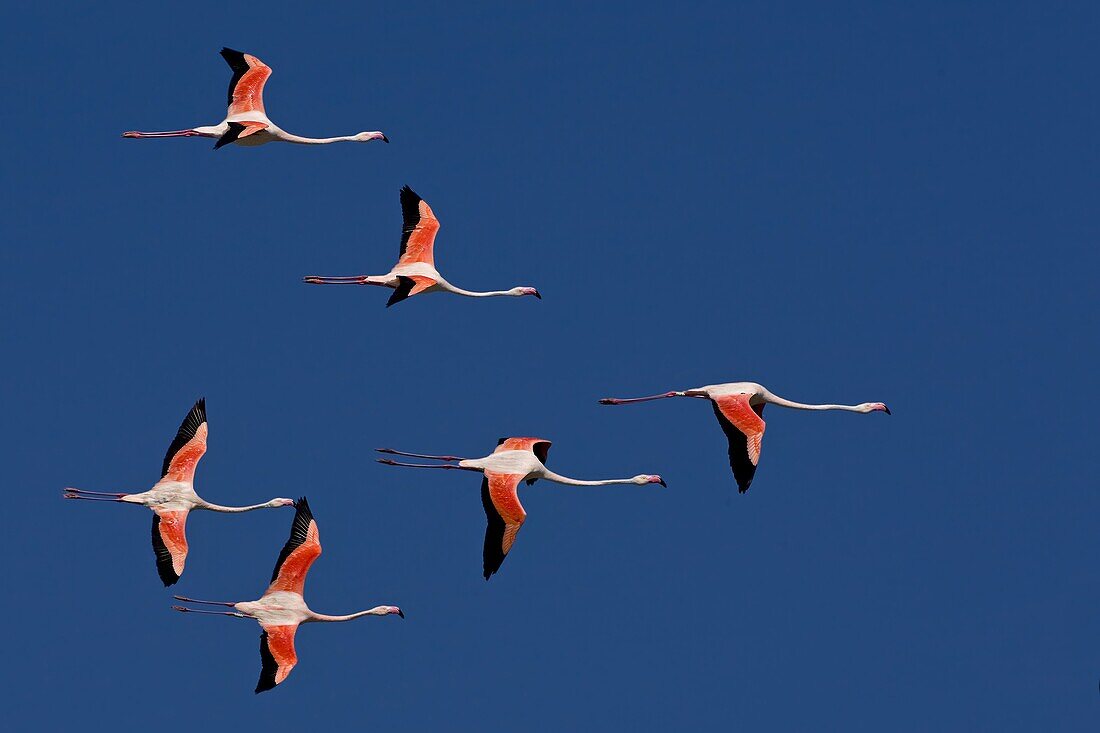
(739, 407)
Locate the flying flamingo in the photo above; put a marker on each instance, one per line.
(415, 271)
(514, 460)
(739, 407)
(246, 123)
(173, 497)
(282, 608)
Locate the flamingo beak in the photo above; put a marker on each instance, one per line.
(886, 409)
(400, 613)
(385, 139)
(658, 480)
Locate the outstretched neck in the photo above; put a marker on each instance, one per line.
(776, 400)
(559, 479)
(376, 611)
(231, 509)
(475, 293)
(288, 137)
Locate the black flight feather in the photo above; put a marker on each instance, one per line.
(190, 426)
(299, 531)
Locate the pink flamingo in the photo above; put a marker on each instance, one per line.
(513, 461)
(174, 497)
(739, 407)
(415, 271)
(282, 608)
(246, 123)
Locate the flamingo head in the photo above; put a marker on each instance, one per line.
(521, 291)
(280, 502)
(392, 610)
(648, 478)
(366, 137)
(874, 407)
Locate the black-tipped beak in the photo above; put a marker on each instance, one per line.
(385, 139)
(400, 613)
(886, 410)
(662, 483)
(538, 295)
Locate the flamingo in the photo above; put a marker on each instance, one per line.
(513, 460)
(739, 407)
(246, 123)
(282, 607)
(415, 271)
(173, 497)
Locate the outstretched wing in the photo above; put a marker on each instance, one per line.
(237, 130)
(504, 515)
(277, 655)
(538, 446)
(169, 544)
(419, 227)
(298, 554)
(743, 425)
(188, 447)
(246, 88)
(409, 286)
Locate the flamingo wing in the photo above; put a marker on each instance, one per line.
(277, 655)
(538, 446)
(504, 514)
(246, 88)
(237, 130)
(418, 230)
(409, 285)
(298, 554)
(743, 425)
(188, 446)
(169, 543)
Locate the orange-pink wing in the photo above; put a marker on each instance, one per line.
(188, 446)
(298, 554)
(419, 227)
(169, 543)
(409, 285)
(277, 655)
(246, 88)
(251, 128)
(504, 515)
(539, 446)
(744, 429)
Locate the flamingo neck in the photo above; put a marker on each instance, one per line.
(559, 479)
(298, 139)
(376, 611)
(232, 509)
(475, 293)
(776, 400)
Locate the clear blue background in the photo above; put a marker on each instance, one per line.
(865, 201)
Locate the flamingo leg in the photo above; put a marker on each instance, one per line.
(209, 603)
(628, 400)
(339, 280)
(70, 495)
(418, 455)
(167, 133)
(183, 609)
(71, 490)
(390, 462)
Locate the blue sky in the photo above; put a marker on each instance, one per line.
(868, 201)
